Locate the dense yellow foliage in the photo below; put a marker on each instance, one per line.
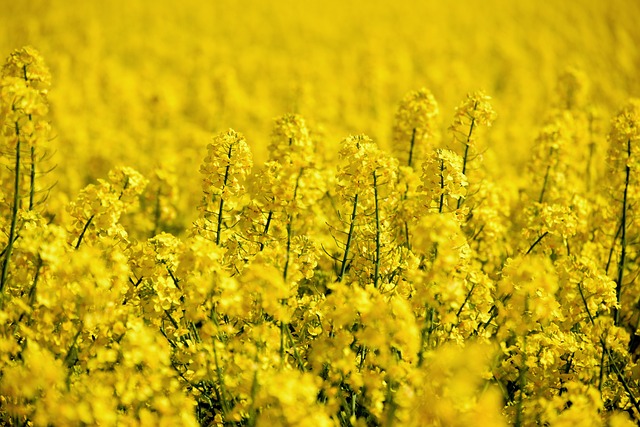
(319, 213)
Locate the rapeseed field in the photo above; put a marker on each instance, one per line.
(246, 213)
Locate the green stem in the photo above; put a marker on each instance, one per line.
(352, 225)
(222, 394)
(32, 295)
(601, 373)
(174, 279)
(613, 248)
(466, 299)
(362, 352)
(14, 215)
(68, 359)
(538, 240)
(621, 378)
(441, 205)
(592, 148)
(221, 207)
(423, 334)
(220, 391)
(464, 166)
(281, 344)
(296, 354)
(623, 237)
(522, 379)
(465, 160)
(156, 214)
(393, 406)
(32, 178)
(406, 235)
(286, 261)
(376, 275)
(266, 228)
(544, 184)
(413, 141)
(466, 153)
(290, 227)
(84, 230)
(219, 226)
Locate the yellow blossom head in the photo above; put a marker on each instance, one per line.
(414, 127)
(27, 64)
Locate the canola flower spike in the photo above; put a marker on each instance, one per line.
(227, 164)
(365, 184)
(473, 113)
(97, 210)
(160, 201)
(291, 143)
(23, 124)
(548, 162)
(414, 126)
(27, 64)
(623, 159)
(225, 169)
(443, 179)
(625, 127)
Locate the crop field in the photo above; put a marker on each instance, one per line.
(322, 213)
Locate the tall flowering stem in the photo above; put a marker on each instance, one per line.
(14, 216)
(360, 183)
(443, 182)
(24, 86)
(97, 210)
(623, 233)
(415, 123)
(352, 225)
(473, 112)
(376, 274)
(625, 132)
(225, 168)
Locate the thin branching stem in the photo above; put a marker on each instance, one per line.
(466, 299)
(538, 240)
(522, 377)
(266, 228)
(220, 391)
(156, 213)
(221, 206)
(623, 237)
(14, 215)
(376, 274)
(219, 225)
(352, 225)
(612, 362)
(441, 204)
(544, 184)
(282, 326)
(296, 354)
(467, 145)
(613, 248)
(425, 333)
(32, 178)
(290, 227)
(411, 147)
(84, 230)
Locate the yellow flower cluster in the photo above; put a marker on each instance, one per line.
(307, 273)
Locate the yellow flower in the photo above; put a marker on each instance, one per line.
(414, 126)
(443, 179)
(27, 64)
